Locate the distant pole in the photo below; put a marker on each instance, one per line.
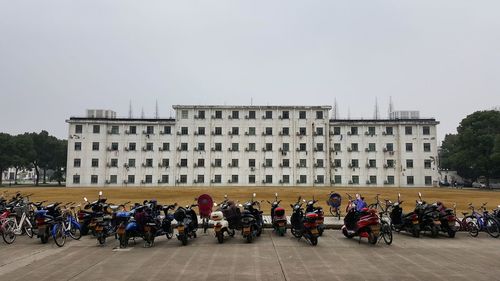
(130, 109)
(157, 114)
(376, 114)
(142, 113)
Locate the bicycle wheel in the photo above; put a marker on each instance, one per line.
(59, 235)
(473, 229)
(492, 227)
(75, 232)
(386, 233)
(28, 229)
(8, 233)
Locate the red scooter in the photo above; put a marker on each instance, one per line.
(363, 222)
(278, 216)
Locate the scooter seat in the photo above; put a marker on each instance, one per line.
(465, 213)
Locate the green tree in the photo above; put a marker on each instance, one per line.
(475, 150)
(59, 158)
(6, 155)
(23, 152)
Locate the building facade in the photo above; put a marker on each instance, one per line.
(250, 146)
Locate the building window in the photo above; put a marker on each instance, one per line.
(336, 131)
(184, 114)
(285, 115)
(409, 163)
(132, 130)
(235, 114)
(285, 131)
(286, 179)
(184, 130)
(337, 147)
(165, 146)
(234, 178)
(372, 163)
(148, 179)
(76, 179)
(77, 162)
(426, 130)
(268, 163)
(235, 131)
(251, 179)
(388, 131)
(269, 131)
(131, 162)
(373, 179)
(371, 147)
(390, 179)
(302, 163)
(114, 146)
(131, 179)
(251, 146)
(218, 114)
(319, 163)
(427, 147)
(337, 163)
(96, 129)
(302, 131)
(302, 115)
(218, 146)
(269, 179)
(201, 146)
(302, 179)
(95, 163)
(319, 131)
(251, 131)
(218, 131)
(251, 163)
(113, 162)
(184, 162)
(78, 146)
(149, 163)
(354, 130)
(320, 179)
(234, 163)
(165, 162)
(201, 162)
(113, 179)
(354, 163)
(78, 129)
(115, 130)
(319, 114)
(218, 162)
(167, 130)
(94, 179)
(354, 147)
(269, 114)
(269, 147)
(200, 179)
(409, 180)
(183, 179)
(408, 130)
(390, 163)
(355, 179)
(428, 180)
(201, 131)
(337, 179)
(251, 115)
(149, 146)
(164, 178)
(409, 147)
(95, 146)
(150, 130)
(218, 179)
(302, 147)
(286, 147)
(286, 163)
(201, 114)
(184, 146)
(371, 131)
(319, 147)
(427, 164)
(389, 146)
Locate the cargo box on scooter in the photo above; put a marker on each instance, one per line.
(216, 216)
(279, 212)
(311, 217)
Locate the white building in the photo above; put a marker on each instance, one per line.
(250, 146)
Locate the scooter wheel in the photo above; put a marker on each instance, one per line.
(220, 237)
(451, 233)
(434, 231)
(346, 234)
(249, 238)
(372, 238)
(184, 240)
(296, 233)
(314, 240)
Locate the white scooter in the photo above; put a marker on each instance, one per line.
(221, 225)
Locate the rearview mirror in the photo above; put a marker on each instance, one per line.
(85, 199)
(254, 195)
(225, 196)
(215, 204)
(100, 193)
(276, 194)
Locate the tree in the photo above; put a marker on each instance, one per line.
(475, 150)
(44, 145)
(5, 153)
(59, 158)
(23, 152)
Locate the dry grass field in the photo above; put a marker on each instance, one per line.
(186, 195)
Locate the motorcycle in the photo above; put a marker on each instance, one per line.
(221, 224)
(363, 222)
(448, 219)
(86, 218)
(278, 218)
(407, 222)
(428, 216)
(304, 226)
(45, 219)
(320, 221)
(251, 220)
(187, 223)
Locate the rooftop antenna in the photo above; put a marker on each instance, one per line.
(335, 110)
(251, 100)
(391, 106)
(130, 109)
(348, 112)
(376, 114)
(142, 112)
(157, 115)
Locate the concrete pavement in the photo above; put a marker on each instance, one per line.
(268, 258)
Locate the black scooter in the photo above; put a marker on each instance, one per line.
(304, 226)
(187, 223)
(251, 220)
(400, 221)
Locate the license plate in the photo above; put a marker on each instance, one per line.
(319, 221)
(437, 222)
(281, 224)
(314, 231)
(120, 231)
(92, 225)
(147, 229)
(376, 230)
(180, 228)
(217, 228)
(246, 230)
(98, 228)
(415, 222)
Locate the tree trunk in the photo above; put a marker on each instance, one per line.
(1, 175)
(37, 172)
(15, 176)
(44, 175)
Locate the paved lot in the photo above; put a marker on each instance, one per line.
(268, 258)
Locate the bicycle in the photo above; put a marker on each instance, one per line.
(466, 223)
(335, 201)
(383, 212)
(483, 222)
(11, 227)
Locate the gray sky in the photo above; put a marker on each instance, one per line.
(58, 58)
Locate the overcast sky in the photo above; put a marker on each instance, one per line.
(58, 58)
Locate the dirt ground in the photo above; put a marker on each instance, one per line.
(186, 195)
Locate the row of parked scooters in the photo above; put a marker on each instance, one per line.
(149, 219)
